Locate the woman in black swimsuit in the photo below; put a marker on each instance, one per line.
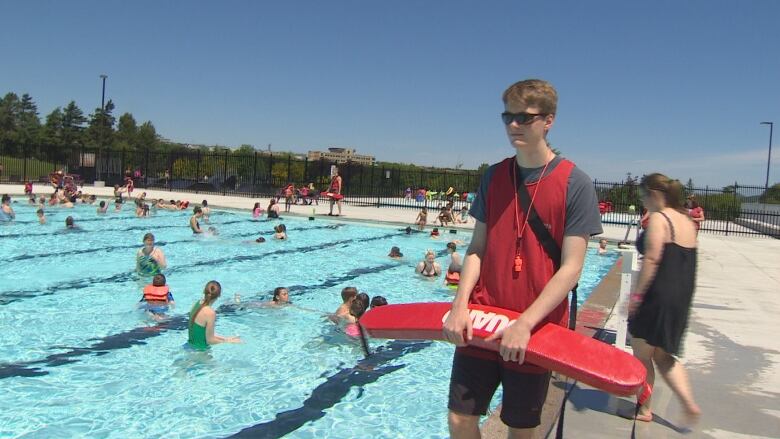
(429, 267)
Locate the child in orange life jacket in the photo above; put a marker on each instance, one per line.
(157, 297)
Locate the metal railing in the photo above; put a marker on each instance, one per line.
(735, 210)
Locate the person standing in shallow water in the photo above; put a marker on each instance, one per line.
(505, 266)
(203, 318)
(658, 313)
(196, 215)
(150, 260)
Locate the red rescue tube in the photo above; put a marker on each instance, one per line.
(552, 347)
(332, 195)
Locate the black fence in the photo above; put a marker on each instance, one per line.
(734, 210)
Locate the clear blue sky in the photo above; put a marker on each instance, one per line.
(672, 86)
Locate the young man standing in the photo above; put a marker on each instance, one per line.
(506, 266)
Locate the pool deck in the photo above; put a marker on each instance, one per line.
(732, 349)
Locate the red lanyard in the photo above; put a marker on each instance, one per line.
(518, 263)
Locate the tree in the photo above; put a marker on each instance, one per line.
(100, 132)
(72, 125)
(29, 125)
(772, 195)
(126, 132)
(9, 110)
(52, 133)
(729, 189)
(147, 138)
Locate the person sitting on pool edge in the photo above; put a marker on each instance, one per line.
(395, 253)
(203, 318)
(257, 211)
(157, 297)
(194, 225)
(429, 267)
(348, 295)
(150, 260)
(273, 209)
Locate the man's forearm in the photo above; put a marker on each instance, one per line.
(551, 297)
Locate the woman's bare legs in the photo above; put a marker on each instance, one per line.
(677, 378)
(644, 353)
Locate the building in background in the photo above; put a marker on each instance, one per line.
(342, 155)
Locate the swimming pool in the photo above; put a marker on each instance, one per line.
(77, 359)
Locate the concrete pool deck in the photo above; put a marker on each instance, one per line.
(732, 349)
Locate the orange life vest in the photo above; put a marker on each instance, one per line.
(156, 294)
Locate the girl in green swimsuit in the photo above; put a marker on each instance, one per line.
(202, 320)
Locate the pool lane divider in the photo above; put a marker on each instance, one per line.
(134, 246)
(7, 297)
(129, 229)
(139, 335)
(334, 389)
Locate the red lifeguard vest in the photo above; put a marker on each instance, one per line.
(156, 294)
(499, 285)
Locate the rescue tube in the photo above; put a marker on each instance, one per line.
(552, 347)
(332, 195)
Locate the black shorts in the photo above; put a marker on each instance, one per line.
(474, 381)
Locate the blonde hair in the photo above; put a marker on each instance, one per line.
(532, 93)
(211, 292)
(672, 190)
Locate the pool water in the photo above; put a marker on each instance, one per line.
(78, 360)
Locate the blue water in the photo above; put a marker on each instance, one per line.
(78, 360)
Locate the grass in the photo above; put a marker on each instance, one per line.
(13, 169)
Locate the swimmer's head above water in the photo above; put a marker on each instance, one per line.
(281, 295)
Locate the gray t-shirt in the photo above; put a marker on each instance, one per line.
(582, 204)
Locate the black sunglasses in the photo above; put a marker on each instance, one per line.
(519, 118)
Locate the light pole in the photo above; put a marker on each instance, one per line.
(103, 106)
(769, 158)
(103, 97)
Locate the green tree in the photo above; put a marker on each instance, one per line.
(73, 121)
(772, 195)
(147, 137)
(29, 125)
(9, 110)
(100, 131)
(126, 132)
(51, 135)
